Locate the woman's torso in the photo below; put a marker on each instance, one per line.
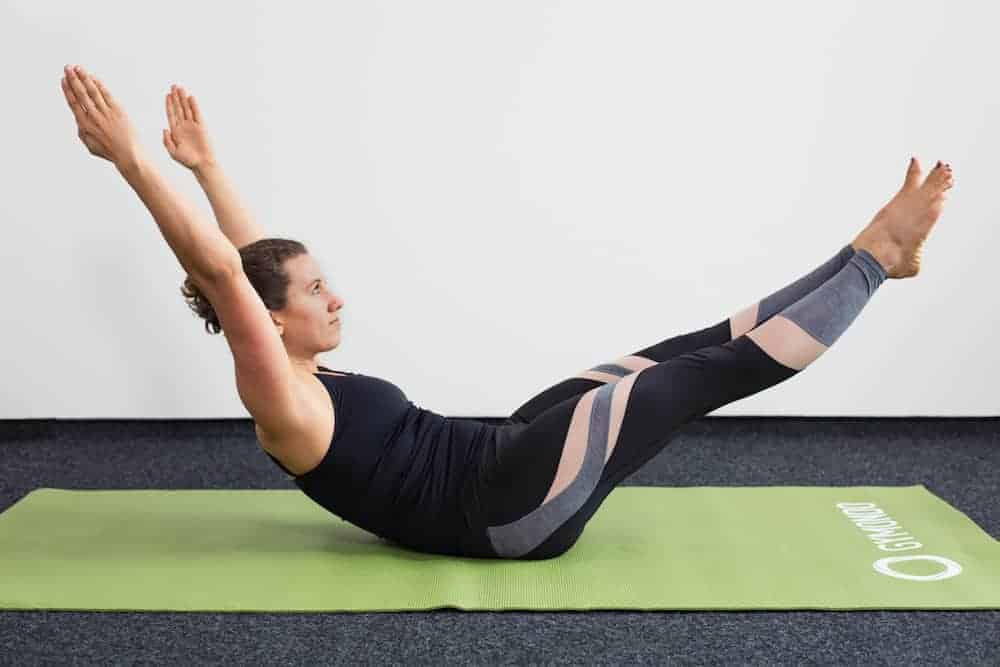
(390, 467)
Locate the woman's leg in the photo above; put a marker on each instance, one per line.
(545, 479)
(717, 334)
(543, 484)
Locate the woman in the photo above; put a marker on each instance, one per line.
(524, 489)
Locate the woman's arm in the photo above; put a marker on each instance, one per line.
(187, 142)
(234, 220)
(107, 132)
(200, 247)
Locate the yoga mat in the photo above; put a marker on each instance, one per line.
(687, 548)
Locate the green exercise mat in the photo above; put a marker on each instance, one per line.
(719, 548)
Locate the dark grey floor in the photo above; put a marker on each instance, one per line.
(957, 459)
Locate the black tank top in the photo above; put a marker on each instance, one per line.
(399, 471)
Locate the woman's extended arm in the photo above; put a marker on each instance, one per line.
(200, 247)
(203, 251)
(234, 220)
(187, 142)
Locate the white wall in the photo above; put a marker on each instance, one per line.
(505, 193)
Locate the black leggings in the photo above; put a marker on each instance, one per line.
(692, 375)
(563, 451)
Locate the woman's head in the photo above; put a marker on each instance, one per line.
(294, 290)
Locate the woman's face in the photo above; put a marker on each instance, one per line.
(310, 319)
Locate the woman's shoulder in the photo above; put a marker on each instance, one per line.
(302, 448)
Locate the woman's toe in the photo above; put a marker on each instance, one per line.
(938, 179)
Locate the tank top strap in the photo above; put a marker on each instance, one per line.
(331, 370)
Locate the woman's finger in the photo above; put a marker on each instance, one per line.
(168, 141)
(181, 106)
(68, 94)
(171, 116)
(70, 97)
(105, 93)
(80, 92)
(94, 92)
(188, 114)
(195, 111)
(175, 101)
(78, 111)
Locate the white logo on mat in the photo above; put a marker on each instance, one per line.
(889, 536)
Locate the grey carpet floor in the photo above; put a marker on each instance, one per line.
(957, 459)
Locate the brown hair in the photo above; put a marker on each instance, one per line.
(263, 262)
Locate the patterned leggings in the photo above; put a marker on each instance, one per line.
(570, 445)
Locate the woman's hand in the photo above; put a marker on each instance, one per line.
(102, 124)
(187, 138)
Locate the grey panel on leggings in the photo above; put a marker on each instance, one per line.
(826, 312)
(773, 304)
(516, 539)
(613, 369)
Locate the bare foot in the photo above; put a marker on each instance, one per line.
(896, 235)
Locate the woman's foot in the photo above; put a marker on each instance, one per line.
(897, 233)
